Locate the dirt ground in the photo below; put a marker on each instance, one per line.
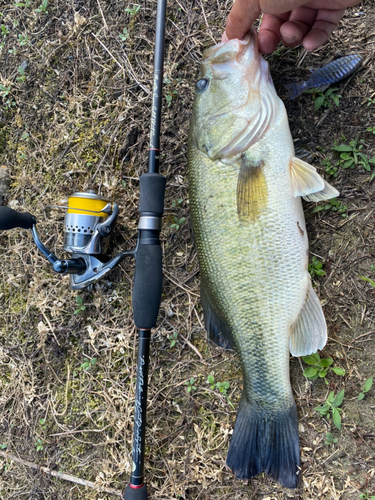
(75, 100)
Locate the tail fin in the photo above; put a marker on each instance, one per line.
(265, 442)
(295, 89)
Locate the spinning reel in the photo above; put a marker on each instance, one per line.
(89, 221)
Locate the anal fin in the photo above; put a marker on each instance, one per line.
(309, 331)
(217, 330)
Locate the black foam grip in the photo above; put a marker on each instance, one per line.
(152, 188)
(10, 219)
(136, 493)
(147, 286)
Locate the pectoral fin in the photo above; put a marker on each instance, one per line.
(306, 182)
(309, 331)
(252, 194)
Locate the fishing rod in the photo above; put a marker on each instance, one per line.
(89, 221)
(148, 267)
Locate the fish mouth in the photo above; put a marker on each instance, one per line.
(233, 49)
(243, 106)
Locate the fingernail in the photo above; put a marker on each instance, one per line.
(289, 38)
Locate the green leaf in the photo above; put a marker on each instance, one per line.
(338, 370)
(338, 399)
(318, 208)
(342, 147)
(309, 360)
(316, 354)
(326, 362)
(331, 396)
(368, 384)
(323, 410)
(336, 417)
(329, 438)
(310, 372)
(320, 272)
(323, 372)
(319, 101)
(347, 163)
(210, 379)
(79, 300)
(369, 280)
(361, 395)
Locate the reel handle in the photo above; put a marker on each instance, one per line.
(10, 219)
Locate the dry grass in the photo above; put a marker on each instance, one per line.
(80, 120)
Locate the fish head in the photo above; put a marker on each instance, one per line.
(227, 113)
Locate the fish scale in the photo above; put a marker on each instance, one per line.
(245, 257)
(245, 188)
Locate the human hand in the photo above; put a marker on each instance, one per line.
(309, 22)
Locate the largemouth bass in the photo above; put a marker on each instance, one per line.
(245, 188)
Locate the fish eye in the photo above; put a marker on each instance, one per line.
(201, 84)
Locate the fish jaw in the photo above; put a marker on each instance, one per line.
(239, 102)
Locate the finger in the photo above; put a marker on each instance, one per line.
(243, 15)
(299, 24)
(269, 32)
(325, 23)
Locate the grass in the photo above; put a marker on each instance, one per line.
(315, 267)
(327, 99)
(319, 367)
(351, 154)
(331, 407)
(366, 387)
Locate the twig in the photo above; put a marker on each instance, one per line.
(208, 26)
(108, 51)
(363, 335)
(105, 154)
(61, 475)
(169, 277)
(101, 12)
(120, 65)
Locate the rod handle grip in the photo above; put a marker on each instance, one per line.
(147, 286)
(10, 219)
(136, 493)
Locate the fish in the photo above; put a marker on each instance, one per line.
(245, 189)
(322, 78)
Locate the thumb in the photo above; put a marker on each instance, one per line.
(243, 15)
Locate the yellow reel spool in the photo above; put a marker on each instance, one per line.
(87, 204)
